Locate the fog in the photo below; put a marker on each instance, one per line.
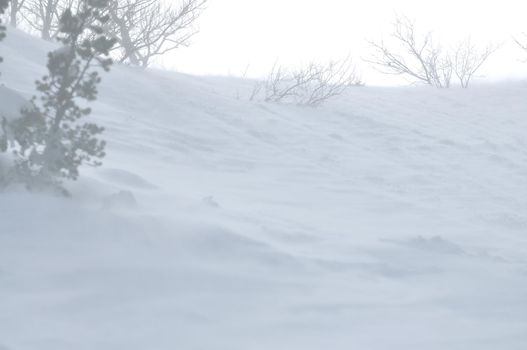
(248, 36)
(240, 175)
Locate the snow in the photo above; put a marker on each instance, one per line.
(10, 103)
(389, 218)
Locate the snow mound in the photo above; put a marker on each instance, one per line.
(233, 224)
(10, 103)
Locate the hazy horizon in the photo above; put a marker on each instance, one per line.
(259, 33)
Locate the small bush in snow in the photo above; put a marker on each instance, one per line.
(49, 142)
(424, 60)
(311, 85)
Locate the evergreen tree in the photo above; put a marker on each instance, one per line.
(3, 7)
(49, 142)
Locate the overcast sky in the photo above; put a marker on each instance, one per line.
(236, 34)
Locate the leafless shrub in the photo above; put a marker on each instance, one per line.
(311, 85)
(257, 89)
(149, 28)
(468, 60)
(419, 58)
(424, 60)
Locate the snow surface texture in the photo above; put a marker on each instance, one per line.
(387, 219)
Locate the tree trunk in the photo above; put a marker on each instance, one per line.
(124, 39)
(14, 12)
(47, 20)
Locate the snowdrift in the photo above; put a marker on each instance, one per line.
(390, 218)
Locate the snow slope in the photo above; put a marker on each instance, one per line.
(386, 219)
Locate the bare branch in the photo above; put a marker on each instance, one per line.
(416, 57)
(149, 28)
(15, 7)
(468, 60)
(424, 60)
(311, 85)
(43, 16)
(522, 43)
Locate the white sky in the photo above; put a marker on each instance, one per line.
(236, 34)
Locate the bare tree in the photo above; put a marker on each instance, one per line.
(425, 60)
(468, 60)
(419, 58)
(311, 85)
(148, 28)
(144, 29)
(43, 16)
(14, 9)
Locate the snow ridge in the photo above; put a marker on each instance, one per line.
(390, 218)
